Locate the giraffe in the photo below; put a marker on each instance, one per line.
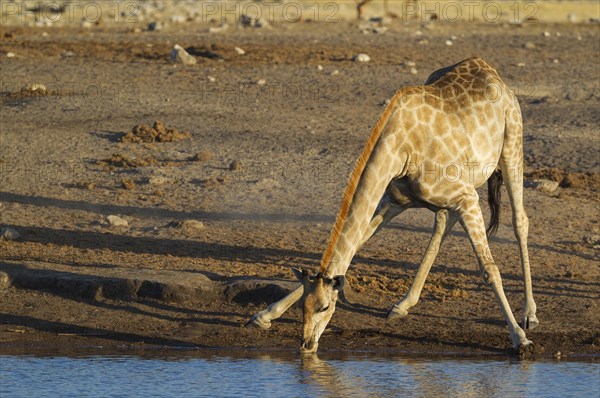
(386, 10)
(431, 148)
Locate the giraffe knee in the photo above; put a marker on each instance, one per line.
(521, 223)
(491, 275)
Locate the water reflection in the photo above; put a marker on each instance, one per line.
(210, 373)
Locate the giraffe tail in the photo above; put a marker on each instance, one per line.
(494, 185)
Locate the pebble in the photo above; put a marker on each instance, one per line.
(449, 42)
(529, 45)
(235, 165)
(179, 55)
(547, 34)
(217, 29)
(10, 54)
(335, 73)
(546, 186)
(319, 68)
(117, 221)
(86, 24)
(178, 19)
(192, 224)
(414, 71)
(239, 50)
(9, 234)
(362, 58)
(261, 82)
(410, 63)
(157, 180)
(521, 64)
(155, 26)
(211, 79)
(556, 61)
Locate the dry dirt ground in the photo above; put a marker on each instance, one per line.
(273, 136)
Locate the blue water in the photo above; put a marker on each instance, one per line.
(192, 374)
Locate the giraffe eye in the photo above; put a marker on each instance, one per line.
(324, 308)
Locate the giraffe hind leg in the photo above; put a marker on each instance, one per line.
(512, 172)
(471, 219)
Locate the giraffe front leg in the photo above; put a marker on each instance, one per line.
(444, 221)
(263, 318)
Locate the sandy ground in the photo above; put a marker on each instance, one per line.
(292, 113)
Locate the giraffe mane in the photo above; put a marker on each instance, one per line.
(352, 185)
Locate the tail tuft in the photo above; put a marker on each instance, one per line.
(494, 185)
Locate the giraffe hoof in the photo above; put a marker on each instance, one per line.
(530, 322)
(396, 312)
(526, 349)
(257, 322)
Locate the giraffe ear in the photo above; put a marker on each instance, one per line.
(300, 275)
(338, 282)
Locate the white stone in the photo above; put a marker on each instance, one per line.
(10, 54)
(9, 234)
(179, 55)
(192, 224)
(335, 73)
(211, 79)
(157, 180)
(86, 24)
(319, 68)
(362, 58)
(261, 82)
(414, 71)
(239, 50)
(449, 42)
(546, 186)
(117, 221)
(547, 34)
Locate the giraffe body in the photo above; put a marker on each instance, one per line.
(432, 147)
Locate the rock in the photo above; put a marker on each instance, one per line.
(320, 68)
(192, 224)
(10, 54)
(203, 156)
(414, 71)
(155, 26)
(86, 24)
(180, 56)
(529, 45)
(449, 42)
(335, 73)
(128, 184)
(35, 88)
(9, 234)
(217, 29)
(547, 186)
(235, 165)
(252, 22)
(239, 50)
(547, 34)
(178, 19)
(410, 63)
(361, 58)
(261, 82)
(157, 180)
(116, 221)
(593, 240)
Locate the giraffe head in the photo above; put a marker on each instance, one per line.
(318, 304)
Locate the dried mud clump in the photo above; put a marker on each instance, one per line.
(157, 133)
(122, 161)
(567, 179)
